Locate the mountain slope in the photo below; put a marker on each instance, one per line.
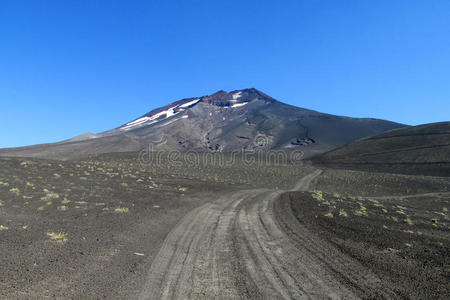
(238, 120)
(423, 149)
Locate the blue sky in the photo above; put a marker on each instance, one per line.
(70, 67)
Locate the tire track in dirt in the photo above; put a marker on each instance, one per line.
(235, 248)
(196, 240)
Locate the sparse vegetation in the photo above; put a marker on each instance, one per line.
(402, 238)
(117, 189)
(15, 191)
(408, 221)
(59, 237)
(121, 209)
(317, 195)
(329, 214)
(362, 211)
(343, 213)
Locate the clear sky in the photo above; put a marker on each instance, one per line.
(70, 67)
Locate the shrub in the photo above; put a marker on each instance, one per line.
(121, 209)
(15, 191)
(408, 221)
(343, 213)
(52, 196)
(317, 195)
(362, 211)
(329, 214)
(59, 237)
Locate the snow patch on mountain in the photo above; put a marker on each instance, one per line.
(236, 95)
(173, 120)
(187, 104)
(137, 123)
(238, 104)
(152, 119)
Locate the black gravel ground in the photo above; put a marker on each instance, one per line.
(108, 211)
(404, 240)
(92, 228)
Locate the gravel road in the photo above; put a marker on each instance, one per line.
(235, 247)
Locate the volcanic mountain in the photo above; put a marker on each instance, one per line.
(222, 122)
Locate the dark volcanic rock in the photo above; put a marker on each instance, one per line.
(423, 149)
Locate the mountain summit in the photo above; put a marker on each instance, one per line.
(224, 122)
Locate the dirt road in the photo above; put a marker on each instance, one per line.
(236, 247)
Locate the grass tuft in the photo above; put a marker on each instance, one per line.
(329, 214)
(121, 209)
(408, 221)
(362, 211)
(59, 237)
(15, 191)
(343, 213)
(317, 195)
